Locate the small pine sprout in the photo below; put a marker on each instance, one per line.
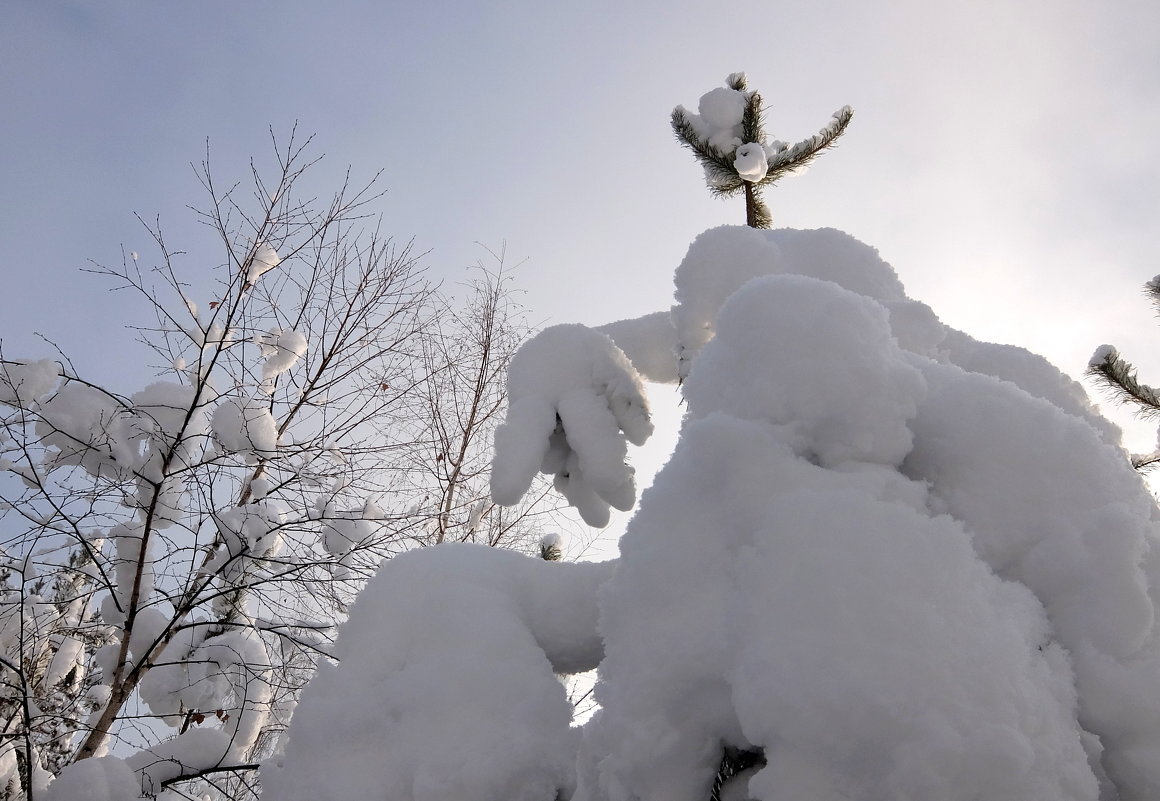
(727, 136)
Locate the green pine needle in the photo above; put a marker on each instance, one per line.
(1119, 377)
(805, 151)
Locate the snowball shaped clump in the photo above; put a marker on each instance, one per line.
(722, 107)
(245, 426)
(281, 348)
(574, 400)
(751, 162)
(817, 359)
(719, 116)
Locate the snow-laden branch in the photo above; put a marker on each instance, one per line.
(575, 401)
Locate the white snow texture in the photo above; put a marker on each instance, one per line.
(575, 401)
(904, 564)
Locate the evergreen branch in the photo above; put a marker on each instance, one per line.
(805, 151)
(1118, 376)
(1152, 290)
(1145, 462)
(721, 172)
(735, 761)
(722, 178)
(751, 128)
(725, 181)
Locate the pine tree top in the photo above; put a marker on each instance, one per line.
(727, 136)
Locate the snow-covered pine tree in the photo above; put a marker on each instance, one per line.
(1112, 372)
(728, 137)
(885, 560)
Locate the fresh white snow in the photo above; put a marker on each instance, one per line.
(905, 564)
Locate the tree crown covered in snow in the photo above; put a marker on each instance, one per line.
(884, 561)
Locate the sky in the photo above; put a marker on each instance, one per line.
(1003, 155)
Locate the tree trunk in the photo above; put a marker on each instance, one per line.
(751, 205)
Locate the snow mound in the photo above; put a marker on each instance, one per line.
(816, 360)
(99, 779)
(377, 720)
(722, 259)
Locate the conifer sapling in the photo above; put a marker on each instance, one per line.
(728, 138)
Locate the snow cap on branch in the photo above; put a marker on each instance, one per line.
(245, 426)
(263, 259)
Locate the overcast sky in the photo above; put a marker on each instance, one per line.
(1003, 155)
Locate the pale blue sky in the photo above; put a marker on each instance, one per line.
(1003, 155)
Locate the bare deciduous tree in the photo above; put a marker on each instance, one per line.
(175, 560)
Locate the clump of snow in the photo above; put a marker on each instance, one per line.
(23, 383)
(722, 259)
(751, 162)
(254, 529)
(1031, 373)
(843, 392)
(104, 778)
(575, 401)
(173, 424)
(85, 427)
(67, 661)
(1102, 354)
(718, 118)
(223, 676)
(820, 615)
(722, 107)
(281, 348)
(264, 259)
(245, 426)
(344, 531)
(649, 342)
